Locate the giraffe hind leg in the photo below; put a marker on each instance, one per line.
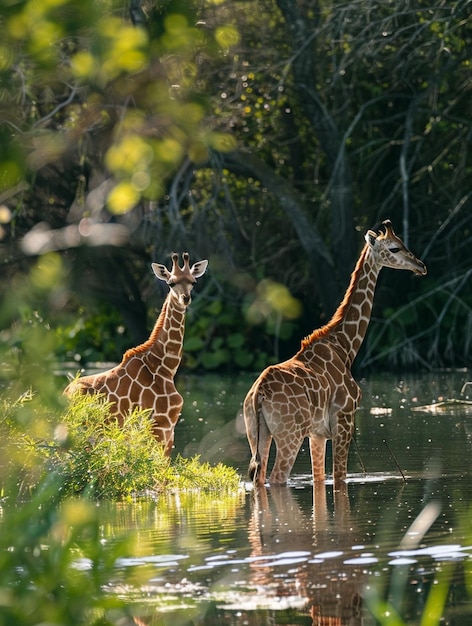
(258, 435)
(286, 454)
(254, 467)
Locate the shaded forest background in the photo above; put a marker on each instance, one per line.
(264, 135)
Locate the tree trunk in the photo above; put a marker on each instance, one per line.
(302, 30)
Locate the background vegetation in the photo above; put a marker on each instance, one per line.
(94, 455)
(265, 135)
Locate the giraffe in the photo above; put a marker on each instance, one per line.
(145, 376)
(313, 394)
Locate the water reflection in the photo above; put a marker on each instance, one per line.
(298, 553)
(304, 554)
(309, 545)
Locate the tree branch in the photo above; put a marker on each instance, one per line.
(320, 258)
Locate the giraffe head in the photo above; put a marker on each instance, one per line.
(180, 279)
(390, 251)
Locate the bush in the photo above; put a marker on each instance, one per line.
(96, 456)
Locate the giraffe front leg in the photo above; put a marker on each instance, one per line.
(165, 436)
(165, 417)
(341, 443)
(318, 452)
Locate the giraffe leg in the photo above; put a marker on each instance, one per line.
(286, 454)
(318, 451)
(165, 438)
(341, 442)
(320, 509)
(169, 444)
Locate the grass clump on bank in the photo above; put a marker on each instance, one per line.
(56, 565)
(97, 457)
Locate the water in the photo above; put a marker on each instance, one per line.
(305, 555)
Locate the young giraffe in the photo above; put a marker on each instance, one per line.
(313, 394)
(145, 376)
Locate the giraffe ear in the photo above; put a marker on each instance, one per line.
(199, 268)
(370, 238)
(160, 271)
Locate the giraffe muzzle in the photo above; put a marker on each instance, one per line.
(422, 270)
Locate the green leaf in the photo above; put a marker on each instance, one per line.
(242, 358)
(212, 360)
(193, 344)
(236, 340)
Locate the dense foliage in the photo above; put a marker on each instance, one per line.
(264, 135)
(56, 566)
(53, 566)
(93, 455)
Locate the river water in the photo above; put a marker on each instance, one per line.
(397, 541)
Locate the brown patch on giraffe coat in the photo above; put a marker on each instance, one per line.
(145, 376)
(113, 382)
(132, 368)
(174, 335)
(173, 362)
(176, 400)
(147, 398)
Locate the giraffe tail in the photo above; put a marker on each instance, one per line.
(253, 416)
(254, 467)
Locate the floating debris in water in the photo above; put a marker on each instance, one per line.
(381, 410)
(446, 406)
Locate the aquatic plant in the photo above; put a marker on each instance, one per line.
(97, 456)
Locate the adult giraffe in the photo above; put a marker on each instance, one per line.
(145, 376)
(314, 394)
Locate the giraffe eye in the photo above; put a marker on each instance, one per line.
(394, 250)
(171, 284)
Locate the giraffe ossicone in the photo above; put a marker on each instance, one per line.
(145, 377)
(313, 394)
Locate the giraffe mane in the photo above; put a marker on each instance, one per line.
(144, 347)
(338, 315)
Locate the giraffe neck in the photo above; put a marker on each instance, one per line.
(163, 349)
(347, 328)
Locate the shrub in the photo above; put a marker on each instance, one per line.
(96, 456)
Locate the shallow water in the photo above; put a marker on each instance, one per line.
(305, 555)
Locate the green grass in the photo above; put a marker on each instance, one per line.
(55, 567)
(95, 456)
